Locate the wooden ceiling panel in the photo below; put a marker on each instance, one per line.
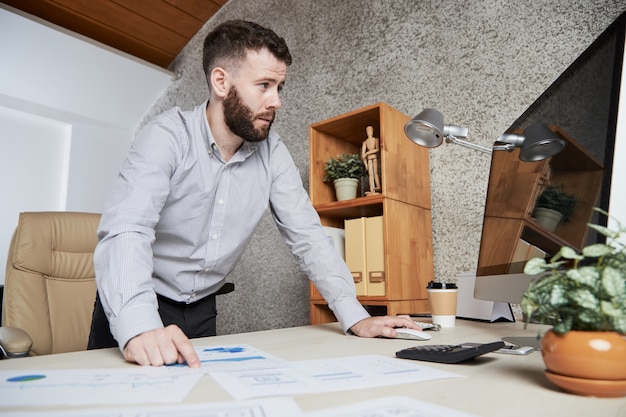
(112, 22)
(186, 25)
(154, 30)
(202, 9)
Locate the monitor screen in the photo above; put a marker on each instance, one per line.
(583, 105)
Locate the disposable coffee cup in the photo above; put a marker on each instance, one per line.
(442, 298)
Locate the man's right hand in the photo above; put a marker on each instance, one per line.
(163, 346)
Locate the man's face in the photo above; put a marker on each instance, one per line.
(253, 98)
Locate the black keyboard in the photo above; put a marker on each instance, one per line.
(448, 353)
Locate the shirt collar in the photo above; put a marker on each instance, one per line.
(246, 149)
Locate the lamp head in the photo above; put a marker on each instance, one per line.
(426, 129)
(537, 143)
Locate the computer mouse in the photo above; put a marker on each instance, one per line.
(403, 333)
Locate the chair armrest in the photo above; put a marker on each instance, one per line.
(14, 342)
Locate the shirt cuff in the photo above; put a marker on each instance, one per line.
(349, 312)
(134, 321)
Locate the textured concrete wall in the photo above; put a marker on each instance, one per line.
(480, 62)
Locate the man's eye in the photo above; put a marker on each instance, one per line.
(264, 85)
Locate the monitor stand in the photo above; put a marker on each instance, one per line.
(532, 341)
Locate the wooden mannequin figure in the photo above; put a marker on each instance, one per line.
(369, 156)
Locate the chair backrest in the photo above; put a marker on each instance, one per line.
(50, 285)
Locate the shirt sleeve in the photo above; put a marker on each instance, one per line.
(304, 235)
(123, 258)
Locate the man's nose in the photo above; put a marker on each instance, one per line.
(274, 101)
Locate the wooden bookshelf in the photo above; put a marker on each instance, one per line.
(404, 204)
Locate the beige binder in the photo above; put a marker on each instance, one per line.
(374, 256)
(355, 252)
(365, 254)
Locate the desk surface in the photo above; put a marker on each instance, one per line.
(496, 384)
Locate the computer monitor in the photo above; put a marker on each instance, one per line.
(506, 288)
(571, 102)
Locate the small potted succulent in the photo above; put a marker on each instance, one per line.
(553, 206)
(583, 297)
(344, 172)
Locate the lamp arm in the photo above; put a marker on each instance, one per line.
(467, 144)
(504, 147)
(513, 139)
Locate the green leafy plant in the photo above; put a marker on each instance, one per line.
(344, 166)
(589, 295)
(554, 197)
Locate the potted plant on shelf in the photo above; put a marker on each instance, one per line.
(583, 297)
(553, 206)
(344, 172)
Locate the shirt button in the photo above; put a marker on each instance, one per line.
(220, 201)
(215, 236)
(207, 269)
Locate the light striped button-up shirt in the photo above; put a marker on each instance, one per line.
(179, 218)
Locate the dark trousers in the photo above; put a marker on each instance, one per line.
(195, 320)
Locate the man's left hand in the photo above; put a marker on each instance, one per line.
(382, 326)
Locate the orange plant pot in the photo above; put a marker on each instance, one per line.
(586, 363)
(593, 355)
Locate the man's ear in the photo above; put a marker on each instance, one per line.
(220, 81)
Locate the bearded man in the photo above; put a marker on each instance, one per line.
(187, 201)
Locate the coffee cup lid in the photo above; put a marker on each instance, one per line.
(442, 285)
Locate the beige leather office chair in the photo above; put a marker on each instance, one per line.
(50, 283)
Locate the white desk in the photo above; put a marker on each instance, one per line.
(496, 384)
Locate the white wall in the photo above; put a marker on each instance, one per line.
(617, 203)
(68, 111)
(21, 134)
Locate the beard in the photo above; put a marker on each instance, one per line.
(240, 119)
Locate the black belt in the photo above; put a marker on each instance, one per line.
(169, 301)
(224, 289)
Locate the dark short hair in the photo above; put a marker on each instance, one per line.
(230, 42)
